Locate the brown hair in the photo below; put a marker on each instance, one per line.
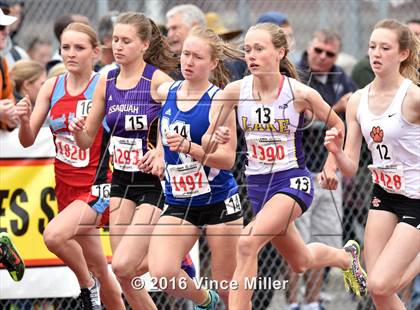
(406, 40)
(279, 39)
(86, 29)
(158, 53)
(219, 50)
(25, 70)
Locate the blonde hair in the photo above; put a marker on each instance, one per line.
(25, 70)
(219, 50)
(407, 40)
(86, 29)
(56, 70)
(279, 40)
(158, 53)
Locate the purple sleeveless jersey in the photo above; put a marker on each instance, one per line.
(130, 112)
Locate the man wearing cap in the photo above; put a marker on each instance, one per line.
(8, 116)
(281, 20)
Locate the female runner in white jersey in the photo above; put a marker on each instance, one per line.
(270, 109)
(386, 113)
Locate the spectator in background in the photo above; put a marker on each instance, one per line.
(40, 50)
(317, 69)
(27, 77)
(414, 26)
(215, 23)
(362, 73)
(322, 222)
(106, 60)
(281, 20)
(180, 19)
(17, 10)
(11, 51)
(237, 68)
(8, 116)
(56, 70)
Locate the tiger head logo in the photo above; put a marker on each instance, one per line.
(377, 134)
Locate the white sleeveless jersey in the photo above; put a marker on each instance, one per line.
(273, 132)
(394, 145)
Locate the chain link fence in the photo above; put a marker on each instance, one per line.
(352, 19)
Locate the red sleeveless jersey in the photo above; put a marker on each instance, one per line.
(73, 166)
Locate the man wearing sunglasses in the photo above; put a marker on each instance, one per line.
(322, 223)
(317, 68)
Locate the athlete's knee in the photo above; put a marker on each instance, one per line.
(164, 271)
(380, 287)
(247, 246)
(53, 239)
(122, 268)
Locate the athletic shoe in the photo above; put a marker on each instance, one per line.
(10, 257)
(355, 278)
(188, 266)
(214, 299)
(90, 296)
(294, 306)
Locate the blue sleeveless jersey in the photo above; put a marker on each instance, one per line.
(131, 112)
(192, 125)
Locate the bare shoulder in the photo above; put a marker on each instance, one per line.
(355, 98)
(353, 105)
(160, 77)
(47, 88)
(411, 106)
(232, 90)
(160, 85)
(50, 83)
(163, 89)
(301, 91)
(413, 95)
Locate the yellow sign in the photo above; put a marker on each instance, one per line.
(27, 205)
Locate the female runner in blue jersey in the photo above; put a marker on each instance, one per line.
(200, 191)
(270, 109)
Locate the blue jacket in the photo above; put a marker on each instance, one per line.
(338, 82)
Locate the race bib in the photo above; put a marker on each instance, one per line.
(188, 180)
(301, 184)
(233, 204)
(83, 107)
(69, 153)
(390, 178)
(101, 190)
(135, 122)
(268, 150)
(126, 153)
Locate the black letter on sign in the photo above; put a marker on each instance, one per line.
(3, 194)
(47, 195)
(19, 212)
